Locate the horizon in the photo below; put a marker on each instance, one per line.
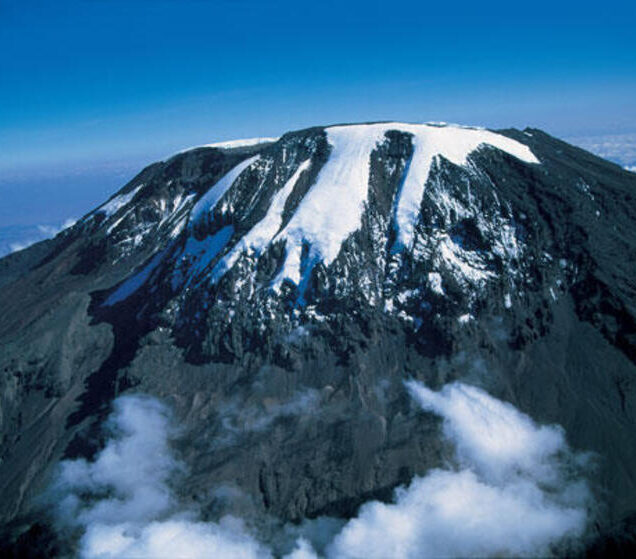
(106, 178)
(93, 91)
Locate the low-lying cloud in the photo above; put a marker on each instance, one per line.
(514, 489)
(16, 238)
(239, 417)
(620, 148)
(124, 504)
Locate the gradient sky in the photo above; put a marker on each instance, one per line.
(93, 85)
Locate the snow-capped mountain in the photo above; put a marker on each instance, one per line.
(328, 214)
(242, 218)
(279, 291)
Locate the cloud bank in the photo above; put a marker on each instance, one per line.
(515, 489)
(122, 500)
(15, 238)
(620, 148)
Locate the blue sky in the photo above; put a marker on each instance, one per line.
(94, 89)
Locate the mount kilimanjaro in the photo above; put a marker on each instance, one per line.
(278, 293)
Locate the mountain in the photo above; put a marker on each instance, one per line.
(277, 294)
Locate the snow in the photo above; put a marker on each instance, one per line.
(174, 233)
(241, 143)
(201, 253)
(261, 235)
(132, 284)
(117, 202)
(454, 144)
(333, 208)
(465, 318)
(178, 206)
(507, 301)
(407, 294)
(435, 283)
(465, 265)
(112, 227)
(231, 144)
(506, 245)
(210, 199)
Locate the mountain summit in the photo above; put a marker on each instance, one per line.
(278, 294)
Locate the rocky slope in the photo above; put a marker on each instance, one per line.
(277, 294)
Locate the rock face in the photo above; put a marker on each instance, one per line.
(277, 294)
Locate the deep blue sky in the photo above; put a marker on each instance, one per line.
(88, 85)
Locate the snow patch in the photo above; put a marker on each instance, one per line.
(333, 207)
(262, 234)
(132, 284)
(506, 245)
(198, 255)
(116, 203)
(210, 199)
(435, 283)
(231, 144)
(467, 266)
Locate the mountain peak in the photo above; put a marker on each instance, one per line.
(280, 293)
(319, 199)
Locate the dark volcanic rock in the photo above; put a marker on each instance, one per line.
(285, 365)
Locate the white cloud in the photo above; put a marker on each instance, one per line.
(52, 230)
(303, 550)
(13, 239)
(240, 417)
(172, 538)
(124, 504)
(515, 489)
(492, 436)
(20, 245)
(511, 493)
(130, 474)
(620, 148)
